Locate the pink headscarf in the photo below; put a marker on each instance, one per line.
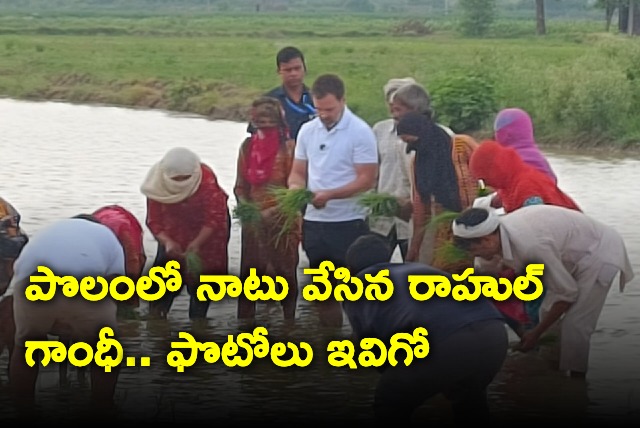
(513, 128)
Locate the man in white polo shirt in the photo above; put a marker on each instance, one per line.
(336, 157)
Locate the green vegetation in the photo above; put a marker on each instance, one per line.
(432, 8)
(477, 16)
(580, 84)
(194, 264)
(247, 213)
(466, 101)
(290, 203)
(446, 253)
(379, 204)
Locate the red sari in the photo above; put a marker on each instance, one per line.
(129, 232)
(259, 249)
(182, 222)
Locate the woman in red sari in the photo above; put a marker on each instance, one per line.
(265, 160)
(129, 232)
(187, 213)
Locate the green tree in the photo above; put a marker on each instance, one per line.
(623, 7)
(463, 101)
(477, 16)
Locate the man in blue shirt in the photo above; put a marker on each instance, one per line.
(293, 94)
(468, 340)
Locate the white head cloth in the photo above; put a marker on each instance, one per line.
(484, 201)
(393, 85)
(159, 184)
(485, 228)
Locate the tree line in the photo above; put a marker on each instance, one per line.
(476, 15)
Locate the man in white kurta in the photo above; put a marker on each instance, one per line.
(393, 173)
(581, 258)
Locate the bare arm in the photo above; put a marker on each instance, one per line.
(204, 234)
(298, 175)
(530, 338)
(172, 248)
(241, 188)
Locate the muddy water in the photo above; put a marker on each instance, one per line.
(58, 160)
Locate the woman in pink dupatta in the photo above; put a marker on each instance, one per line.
(513, 128)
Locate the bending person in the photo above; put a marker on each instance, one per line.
(188, 215)
(467, 341)
(581, 258)
(441, 183)
(77, 247)
(517, 183)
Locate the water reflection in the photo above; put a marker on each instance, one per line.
(59, 159)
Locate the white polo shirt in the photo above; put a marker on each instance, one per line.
(75, 247)
(331, 158)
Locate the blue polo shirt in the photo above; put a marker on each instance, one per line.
(295, 113)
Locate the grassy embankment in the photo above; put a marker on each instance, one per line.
(578, 83)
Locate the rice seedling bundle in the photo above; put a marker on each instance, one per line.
(379, 204)
(445, 217)
(290, 203)
(450, 254)
(247, 213)
(447, 256)
(194, 264)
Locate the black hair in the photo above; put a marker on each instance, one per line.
(328, 84)
(472, 217)
(367, 250)
(88, 217)
(435, 174)
(469, 217)
(288, 53)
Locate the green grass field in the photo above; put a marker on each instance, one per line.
(578, 82)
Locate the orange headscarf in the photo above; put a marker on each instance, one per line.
(517, 183)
